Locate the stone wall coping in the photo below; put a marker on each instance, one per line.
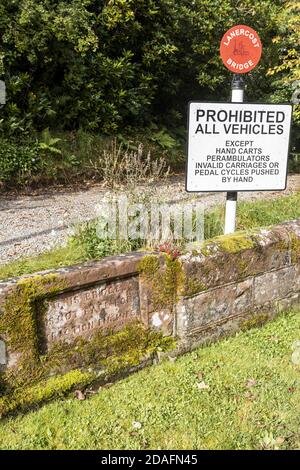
(86, 274)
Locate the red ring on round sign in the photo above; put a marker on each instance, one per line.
(241, 49)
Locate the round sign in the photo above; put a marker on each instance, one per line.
(240, 49)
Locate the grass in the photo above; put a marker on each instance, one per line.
(56, 258)
(253, 402)
(268, 212)
(86, 246)
(254, 214)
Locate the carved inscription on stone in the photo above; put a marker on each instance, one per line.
(81, 313)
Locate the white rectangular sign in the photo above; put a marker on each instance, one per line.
(237, 146)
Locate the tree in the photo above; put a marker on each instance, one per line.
(285, 74)
(109, 64)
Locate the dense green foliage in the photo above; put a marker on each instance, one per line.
(285, 74)
(79, 70)
(240, 393)
(77, 156)
(17, 159)
(106, 64)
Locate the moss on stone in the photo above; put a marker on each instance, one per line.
(19, 323)
(100, 358)
(283, 245)
(107, 352)
(206, 249)
(149, 266)
(242, 267)
(19, 318)
(46, 390)
(257, 320)
(233, 243)
(110, 352)
(295, 248)
(165, 280)
(193, 286)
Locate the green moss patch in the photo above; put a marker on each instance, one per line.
(104, 357)
(164, 279)
(256, 321)
(233, 243)
(46, 390)
(19, 318)
(295, 248)
(193, 286)
(20, 326)
(107, 354)
(101, 358)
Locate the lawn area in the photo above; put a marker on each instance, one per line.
(85, 245)
(252, 401)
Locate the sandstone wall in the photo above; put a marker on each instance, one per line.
(215, 289)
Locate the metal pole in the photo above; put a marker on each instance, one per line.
(237, 96)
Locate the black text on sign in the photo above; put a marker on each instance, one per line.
(237, 146)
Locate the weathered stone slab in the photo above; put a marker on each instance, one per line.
(207, 308)
(292, 301)
(108, 268)
(84, 275)
(271, 250)
(276, 285)
(81, 313)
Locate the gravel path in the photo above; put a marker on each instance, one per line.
(33, 224)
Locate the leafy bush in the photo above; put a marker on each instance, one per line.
(17, 160)
(69, 157)
(294, 163)
(109, 64)
(285, 75)
(87, 240)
